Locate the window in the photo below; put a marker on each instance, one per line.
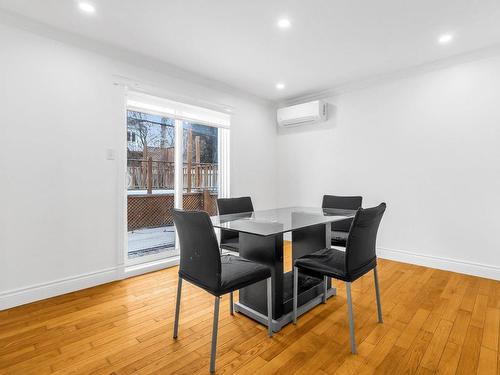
(131, 136)
(177, 157)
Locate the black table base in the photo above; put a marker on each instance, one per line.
(269, 251)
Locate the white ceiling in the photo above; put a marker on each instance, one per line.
(237, 42)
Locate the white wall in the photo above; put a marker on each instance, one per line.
(429, 146)
(60, 210)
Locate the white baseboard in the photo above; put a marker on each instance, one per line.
(447, 264)
(21, 296)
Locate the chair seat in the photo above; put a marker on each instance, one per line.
(238, 273)
(330, 262)
(339, 238)
(231, 244)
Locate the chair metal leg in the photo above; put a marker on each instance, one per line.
(295, 293)
(177, 307)
(351, 317)
(231, 303)
(214, 334)
(377, 294)
(325, 288)
(269, 307)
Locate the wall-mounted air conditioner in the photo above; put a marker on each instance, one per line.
(302, 114)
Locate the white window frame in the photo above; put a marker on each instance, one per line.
(180, 112)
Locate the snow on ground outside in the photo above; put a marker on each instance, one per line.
(150, 241)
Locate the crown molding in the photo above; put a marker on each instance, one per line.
(156, 65)
(122, 55)
(375, 80)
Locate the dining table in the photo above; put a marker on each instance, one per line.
(261, 238)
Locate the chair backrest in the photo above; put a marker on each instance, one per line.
(200, 256)
(344, 203)
(228, 206)
(361, 242)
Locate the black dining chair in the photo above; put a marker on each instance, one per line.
(202, 265)
(229, 240)
(358, 259)
(340, 229)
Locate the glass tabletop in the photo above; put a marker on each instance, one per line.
(279, 220)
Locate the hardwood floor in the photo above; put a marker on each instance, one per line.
(435, 322)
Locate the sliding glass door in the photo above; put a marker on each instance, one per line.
(200, 167)
(151, 186)
(171, 163)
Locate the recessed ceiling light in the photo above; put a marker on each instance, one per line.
(445, 38)
(284, 23)
(86, 7)
(280, 86)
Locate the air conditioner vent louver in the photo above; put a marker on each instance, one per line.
(302, 114)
